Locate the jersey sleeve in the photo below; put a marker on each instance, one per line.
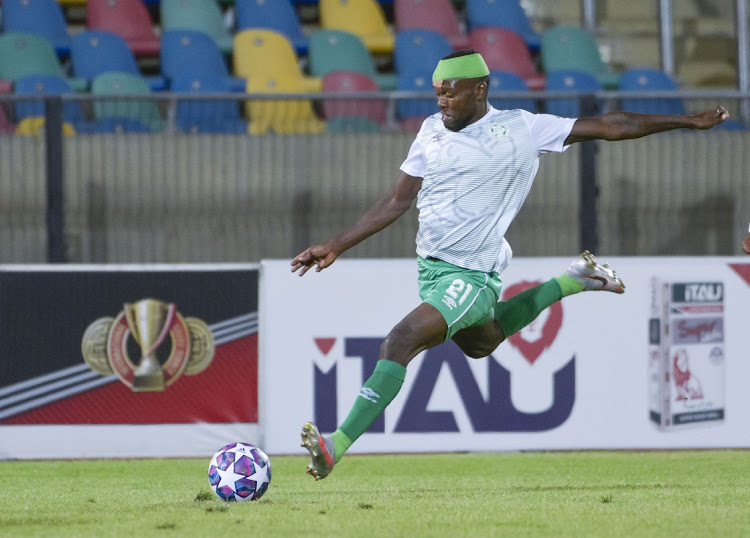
(414, 165)
(549, 132)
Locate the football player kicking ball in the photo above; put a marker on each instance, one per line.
(470, 169)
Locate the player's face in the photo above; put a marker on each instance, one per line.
(461, 101)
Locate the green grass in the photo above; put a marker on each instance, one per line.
(703, 493)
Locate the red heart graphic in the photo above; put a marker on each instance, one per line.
(532, 350)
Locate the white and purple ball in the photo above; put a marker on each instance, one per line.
(239, 472)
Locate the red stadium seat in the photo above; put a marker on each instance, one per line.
(505, 50)
(127, 18)
(436, 15)
(351, 82)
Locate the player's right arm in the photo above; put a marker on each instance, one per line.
(383, 212)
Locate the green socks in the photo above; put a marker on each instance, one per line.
(378, 391)
(520, 310)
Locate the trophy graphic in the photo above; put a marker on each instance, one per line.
(149, 322)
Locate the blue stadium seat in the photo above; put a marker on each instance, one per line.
(509, 82)
(569, 80)
(278, 15)
(191, 53)
(418, 51)
(41, 85)
(649, 80)
(412, 112)
(94, 52)
(507, 14)
(205, 116)
(40, 17)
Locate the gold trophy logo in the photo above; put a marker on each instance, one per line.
(149, 322)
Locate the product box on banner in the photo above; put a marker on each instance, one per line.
(588, 373)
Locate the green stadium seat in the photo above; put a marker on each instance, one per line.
(143, 111)
(568, 47)
(24, 54)
(201, 15)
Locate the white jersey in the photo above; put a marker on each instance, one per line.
(475, 181)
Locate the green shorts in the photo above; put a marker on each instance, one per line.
(465, 297)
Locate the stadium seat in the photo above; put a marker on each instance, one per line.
(505, 50)
(342, 115)
(569, 80)
(421, 14)
(127, 18)
(129, 114)
(40, 17)
(502, 14)
(6, 125)
(502, 81)
(278, 15)
(34, 125)
(412, 112)
(338, 50)
(94, 52)
(417, 51)
(268, 62)
(41, 85)
(649, 80)
(567, 47)
(206, 116)
(190, 53)
(200, 15)
(363, 18)
(28, 54)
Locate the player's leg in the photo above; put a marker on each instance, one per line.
(423, 328)
(510, 316)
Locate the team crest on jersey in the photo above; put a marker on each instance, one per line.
(498, 130)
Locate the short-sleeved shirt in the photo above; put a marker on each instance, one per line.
(475, 181)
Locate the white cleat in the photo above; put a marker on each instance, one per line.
(593, 276)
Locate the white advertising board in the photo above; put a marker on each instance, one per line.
(580, 377)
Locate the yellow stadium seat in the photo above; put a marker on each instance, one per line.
(34, 125)
(267, 60)
(363, 18)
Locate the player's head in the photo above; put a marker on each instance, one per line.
(461, 80)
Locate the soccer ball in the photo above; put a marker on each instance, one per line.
(239, 472)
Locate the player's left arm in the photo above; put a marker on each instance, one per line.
(626, 125)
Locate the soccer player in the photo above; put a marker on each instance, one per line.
(470, 169)
(746, 242)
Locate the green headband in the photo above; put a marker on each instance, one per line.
(469, 66)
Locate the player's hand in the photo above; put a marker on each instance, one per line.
(710, 118)
(746, 244)
(321, 255)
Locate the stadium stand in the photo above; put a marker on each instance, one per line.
(363, 18)
(127, 18)
(94, 52)
(573, 81)
(505, 50)
(191, 53)
(568, 47)
(339, 50)
(40, 17)
(505, 81)
(421, 15)
(352, 115)
(268, 62)
(200, 15)
(125, 115)
(412, 112)
(502, 14)
(278, 15)
(33, 126)
(416, 50)
(24, 54)
(206, 116)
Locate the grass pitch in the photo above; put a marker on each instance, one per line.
(703, 493)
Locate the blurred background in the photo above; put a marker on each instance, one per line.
(171, 131)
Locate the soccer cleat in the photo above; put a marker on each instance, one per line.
(321, 451)
(593, 276)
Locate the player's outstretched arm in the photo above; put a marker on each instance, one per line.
(626, 125)
(385, 211)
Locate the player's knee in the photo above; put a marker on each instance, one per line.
(477, 351)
